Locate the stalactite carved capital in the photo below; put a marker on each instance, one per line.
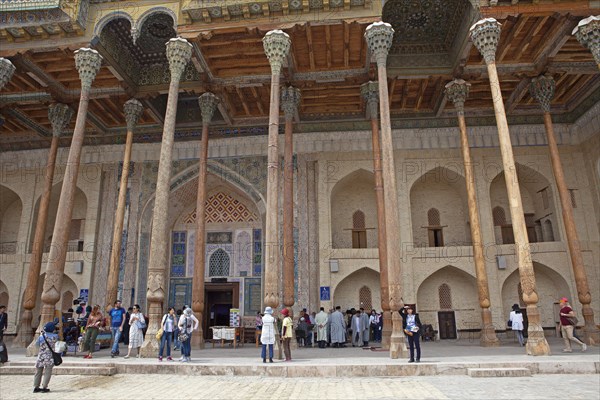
(379, 36)
(87, 62)
(277, 45)
(370, 93)
(587, 33)
(59, 115)
(179, 53)
(133, 110)
(457, 91)
(485, 35)
(290, 100)
(542, 89)
(208, 102)
(7, 69)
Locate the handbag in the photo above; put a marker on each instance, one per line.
(573, 320)
(56, 357)
(140, 324)
(159, 334)
(183, 335)
(509, 323)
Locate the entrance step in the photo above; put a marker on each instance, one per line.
(498, 372)
(27, 368)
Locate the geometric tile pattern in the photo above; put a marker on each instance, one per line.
(221, 207)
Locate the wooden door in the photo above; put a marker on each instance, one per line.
(447, 324)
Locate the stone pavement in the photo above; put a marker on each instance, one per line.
(350, 373)
(161, 387)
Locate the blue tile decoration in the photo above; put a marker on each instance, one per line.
(178, 248)
(257, 256)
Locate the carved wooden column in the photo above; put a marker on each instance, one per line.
(370, 93)
(7, 69)
(87, 62)
(485, 35)
(290, 99)
(179, 52)
(276, 44)
(587, 33)
(379, 37)
(133, 110)
(542, 89)
(59, 116)
(457, 91)
(208, 103)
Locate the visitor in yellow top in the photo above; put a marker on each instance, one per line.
(286, 333)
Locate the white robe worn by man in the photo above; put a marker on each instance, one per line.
(357, 330)
(338, 327)
(321, 324)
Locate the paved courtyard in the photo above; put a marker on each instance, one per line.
(208, 387)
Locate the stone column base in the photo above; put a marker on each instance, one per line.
(591, 335)
(198, 339)
(397, 339)
(536, 342)
(386, 330)
(32, 348)
(150, 347)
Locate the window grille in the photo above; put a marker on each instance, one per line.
(218, 264)
(365, 299)
(499, 216)
(445, 296)
(358, 220)
(433, 217)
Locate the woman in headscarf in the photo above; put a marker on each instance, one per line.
(136, 324)
(267, 336)
(188, 323)
(516, 319)
(92, 328)
(44, 362)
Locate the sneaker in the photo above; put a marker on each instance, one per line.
(127, 356)
(170, 358)
(567, 351)
(185, 360)
(583, 347)
(181, 358)
(160, 358)
(45, 390)
(37, 390)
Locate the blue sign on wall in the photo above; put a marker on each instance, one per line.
(325, 293)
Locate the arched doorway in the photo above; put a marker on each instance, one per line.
(356, 289)
(10, 219)
(448, 298)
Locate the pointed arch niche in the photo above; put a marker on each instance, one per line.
(11, 207)
(352, 196)
(357, 287)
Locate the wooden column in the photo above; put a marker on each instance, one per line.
(133, 110)
(485, 35)
(87, 62)
(542, 89)
(587, 33)
(59, 116)
(179, 52)
(290, 99)
(370, 93)
(379, 37)
(457, 92)
(208, 103)
(276, 44)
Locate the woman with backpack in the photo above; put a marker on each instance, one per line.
(168, 326)
(136, 324)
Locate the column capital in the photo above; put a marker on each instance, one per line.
(290, 99)
(59, 115)
(87, 62)
(379, 36)
(208, 102)
(7, 69)
(179, 53)
(370, 93)
(587, 33)
(542, 89)
(277, 45)
(457, 91)
(133, 110)
(485, 35)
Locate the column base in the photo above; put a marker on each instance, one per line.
(397, 339)
(386, 331)
(32, 348)
(537, 345)
(150, 346)
(198, 339)
(24, 335)
(488, 337)
(591, 335)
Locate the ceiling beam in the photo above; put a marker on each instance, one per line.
(517, 95)
(25, 120)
